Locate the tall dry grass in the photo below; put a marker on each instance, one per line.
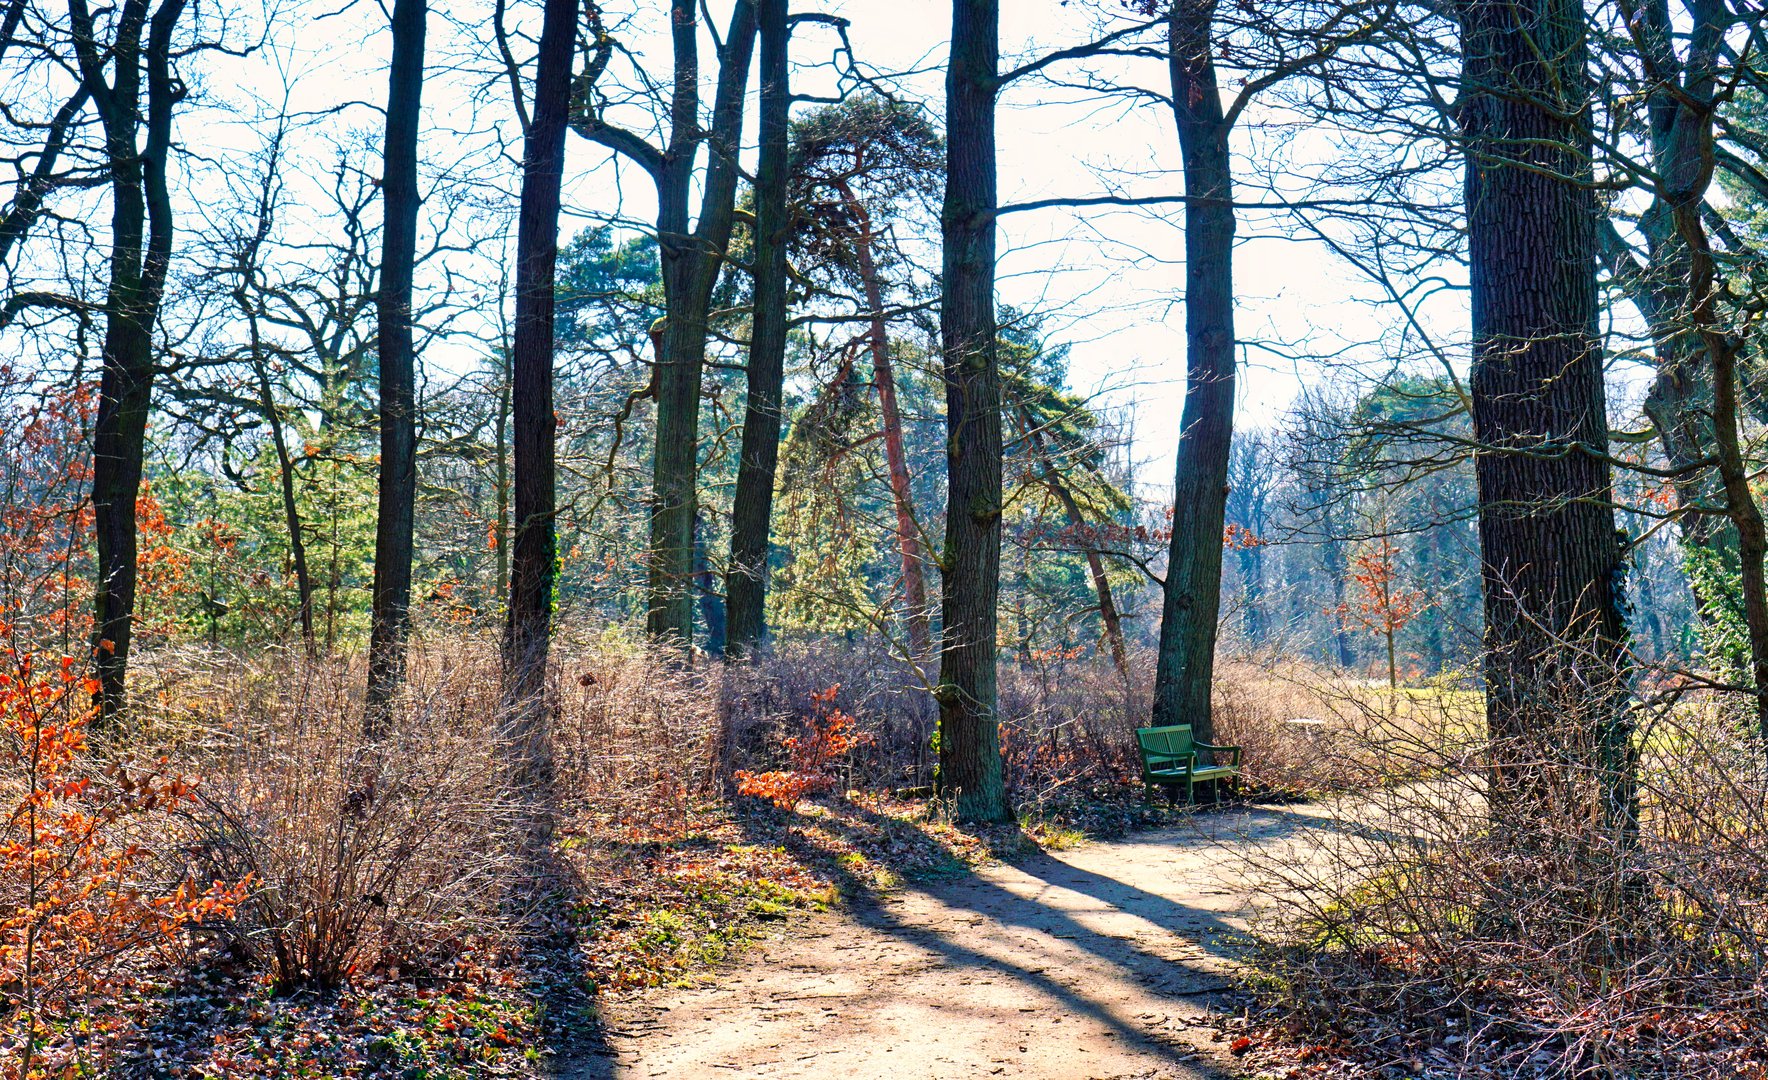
(400, 852)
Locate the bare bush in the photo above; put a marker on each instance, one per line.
(636, 736)
(1545, 934)
(364, 855)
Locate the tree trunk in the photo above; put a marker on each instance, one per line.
(691, 265)
(1551, 557)
(908, 532)
(1682, 126)
(969, 729)
(533, 552)
(1192, 593)
(291, 509)
(1745, 515)
(752, 507)
(1333, 561)
(141, 249)
(712, 605)
(500, 534)
(390, 614)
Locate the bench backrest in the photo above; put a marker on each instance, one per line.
(1174, 741)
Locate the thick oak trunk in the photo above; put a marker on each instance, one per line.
(1551, 557)
(752, 507)
(1191, 599)
(390, 612)
(969, 729)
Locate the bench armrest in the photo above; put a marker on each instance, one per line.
(1213, 746)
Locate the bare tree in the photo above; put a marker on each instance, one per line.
(141, 253)
(693, 257)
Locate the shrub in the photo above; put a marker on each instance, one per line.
(829, 736)
(1554, 939)
(366, 855)
(76, 896)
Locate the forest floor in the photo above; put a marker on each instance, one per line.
(1106, 960)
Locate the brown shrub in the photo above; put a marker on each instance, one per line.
(364, 855)
(1550, 938)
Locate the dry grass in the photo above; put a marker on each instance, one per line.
(1307, 732)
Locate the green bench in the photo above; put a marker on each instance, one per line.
(1169, 758)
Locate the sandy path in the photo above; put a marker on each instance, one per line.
(1090, 963)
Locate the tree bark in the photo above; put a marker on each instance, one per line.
(908, 531)
(141, 250)
(1192, 593)
(1551, 557)
(527, 633)
(390, 614)
(691, 263)
(500, 534)
(1680, 402)
(970, 767)
(752, 507)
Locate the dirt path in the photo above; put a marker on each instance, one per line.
(1090, 963)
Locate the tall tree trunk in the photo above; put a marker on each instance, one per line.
(500, 534)
(291, 509)
(141, 250)
(691, 265)
(1550, 554)
(528, 630)
(390, 614)
(1192, 593)
(969, 729)
(752, 508)
(1680, 401)
(908, 531)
